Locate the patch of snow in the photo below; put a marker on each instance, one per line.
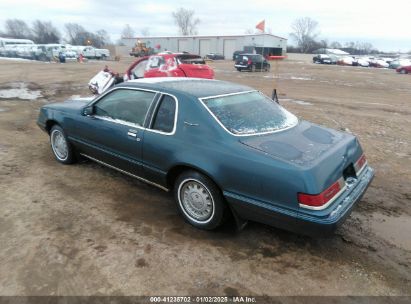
(16, 59)
(78, 97)
(300, 78)
(300, 102)
(2, 110)
(22, 92)
(288, 77)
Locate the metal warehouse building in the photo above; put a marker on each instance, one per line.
(226, 45)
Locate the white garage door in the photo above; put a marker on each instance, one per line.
(183, 45)
(205, 47)
(229, 48)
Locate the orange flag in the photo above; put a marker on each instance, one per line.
(261, 26)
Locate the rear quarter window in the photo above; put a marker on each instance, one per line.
(164, 118)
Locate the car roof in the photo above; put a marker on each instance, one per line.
(196, 87)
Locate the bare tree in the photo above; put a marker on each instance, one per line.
(304, 33)
(249, 31)
(323, 43)
(128, 32)
(45, 32)
(350, 45)
(103, 37)
(145, 31)
(16, 28)
(335, 45)
(185, 21)
(78, 35)
(73, 31)
(365, 47)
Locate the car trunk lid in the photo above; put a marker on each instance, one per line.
(323, 154)
(194, 66)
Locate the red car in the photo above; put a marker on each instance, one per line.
(169, 65)
(404, 69)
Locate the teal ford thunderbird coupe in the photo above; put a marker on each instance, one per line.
(221, 148)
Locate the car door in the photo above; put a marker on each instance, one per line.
(155, 67)
(114, 132)
(160, 143)
(137, 69)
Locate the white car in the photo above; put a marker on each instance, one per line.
(363, 62)
(347, 60)
(379, 63)
(93, 53)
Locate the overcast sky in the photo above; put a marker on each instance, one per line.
(385, 25)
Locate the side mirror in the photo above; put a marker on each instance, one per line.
(87, 111)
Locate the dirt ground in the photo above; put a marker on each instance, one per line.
(87, 230)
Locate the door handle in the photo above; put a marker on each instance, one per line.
(132, 133)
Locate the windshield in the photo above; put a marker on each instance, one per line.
(249, 113)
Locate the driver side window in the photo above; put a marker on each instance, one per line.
(123, 105)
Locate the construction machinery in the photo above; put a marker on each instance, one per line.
(140, 49)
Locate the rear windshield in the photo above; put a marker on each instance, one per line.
(249, 113)
(190, 59)
(255, 58)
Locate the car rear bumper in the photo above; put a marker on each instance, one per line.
(302, 222)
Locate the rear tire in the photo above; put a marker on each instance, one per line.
(62, 149)
(199, 200)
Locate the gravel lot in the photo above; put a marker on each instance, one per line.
(87, 230)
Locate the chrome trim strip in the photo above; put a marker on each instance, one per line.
(116, 88)
(240, 135)
(175, 115)
(120, 122)
(125, 172)
(129, 124)
(229, 94)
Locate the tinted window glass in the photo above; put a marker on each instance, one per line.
(250, 113)
(164, 118)
(125, 105)
(257, 58)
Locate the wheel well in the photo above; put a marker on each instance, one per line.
(50, 124)
(173, 174)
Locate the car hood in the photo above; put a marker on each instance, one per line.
(71, 105)
(321, 152)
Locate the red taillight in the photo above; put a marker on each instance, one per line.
(323, 198)
(249, 61)
(360, 163)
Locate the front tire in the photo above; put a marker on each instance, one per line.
(62, 149)
(199, 200)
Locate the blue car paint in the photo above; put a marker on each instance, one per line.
(259, 176)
